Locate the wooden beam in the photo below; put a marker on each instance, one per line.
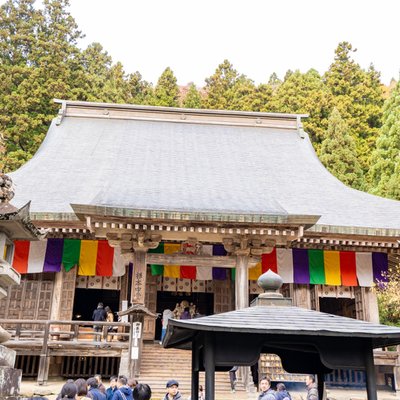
(195, 260)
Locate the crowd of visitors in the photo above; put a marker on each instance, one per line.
(267, 393)
(122, 388)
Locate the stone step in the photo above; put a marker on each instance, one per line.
(160, 365)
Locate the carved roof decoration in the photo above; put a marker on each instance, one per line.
(144, 163)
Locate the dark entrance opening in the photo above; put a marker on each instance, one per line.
(342, 377)
(341, 307)
(203, 301)
(86, 301)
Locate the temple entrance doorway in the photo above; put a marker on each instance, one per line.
(86, 301)
(341, 307)
(204, 303)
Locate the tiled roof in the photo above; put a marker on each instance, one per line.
(280, 320)
(151, 163)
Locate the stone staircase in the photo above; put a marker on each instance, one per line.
(160, 365)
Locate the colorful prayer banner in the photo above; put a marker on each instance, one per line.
(300, 266)
(92, 257)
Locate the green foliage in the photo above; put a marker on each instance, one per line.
(389, 298)
(219, 87)
(166, 92)
(140, 91)
(358, 96)
(39, 61)
(305, 94)
(192, 98)
(385, 166)
(338, 152)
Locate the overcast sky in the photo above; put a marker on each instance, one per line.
(258, 36)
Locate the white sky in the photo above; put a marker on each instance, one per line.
(257, 36)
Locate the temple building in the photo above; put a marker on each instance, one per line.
(182, 210)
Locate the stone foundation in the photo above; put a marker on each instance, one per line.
(10, 382)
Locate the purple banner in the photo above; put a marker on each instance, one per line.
(219, 250)
(53, 257)
(301, 271)
(380, 267)
(219, 274)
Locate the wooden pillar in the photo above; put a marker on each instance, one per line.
(370, 374)
(195, 371)
(371, 312)
(209, 365)
(321, 386)
(139, 276)
(44, 362)
(301, 296)
(242, 282)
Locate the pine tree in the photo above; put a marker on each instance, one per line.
(338, 152)
(140, 91)
(219, 87)
(305, 94)
(358, 96)
(385, 165)
(96, 65)
(274, 81)
(241, 95)
(166, 92)
(192, 98)
(116, 89)
(39, 61)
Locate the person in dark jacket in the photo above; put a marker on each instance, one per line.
(172, 390)
(232, 377)
(99, 314)
(123, 392)
(113, 387)
(312, 389)
(93, 390)
(141, 392)
(68, 391)
(100, 385)
(282, 393)
(266, 392)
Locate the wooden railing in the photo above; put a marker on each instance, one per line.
(25, 329)
(48, 333)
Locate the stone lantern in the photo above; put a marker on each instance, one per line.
(14, 225)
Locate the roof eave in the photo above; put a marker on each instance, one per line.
(82, 211)
(354, 230)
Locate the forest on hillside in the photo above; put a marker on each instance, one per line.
(354, 120)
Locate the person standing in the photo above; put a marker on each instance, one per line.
(112, 388)
(167, 315)
(312, 389)
(172, 390)
(82, 388)
(99, 314)
(232, 378)
(123, 392)
(108, 330)
(93, 390)
(141, 392)
(266, 392)
(282, 393)
(100, 385)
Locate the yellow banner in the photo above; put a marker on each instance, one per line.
(332, 268)
(172, 271)
(87, 258)
(255, 272)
